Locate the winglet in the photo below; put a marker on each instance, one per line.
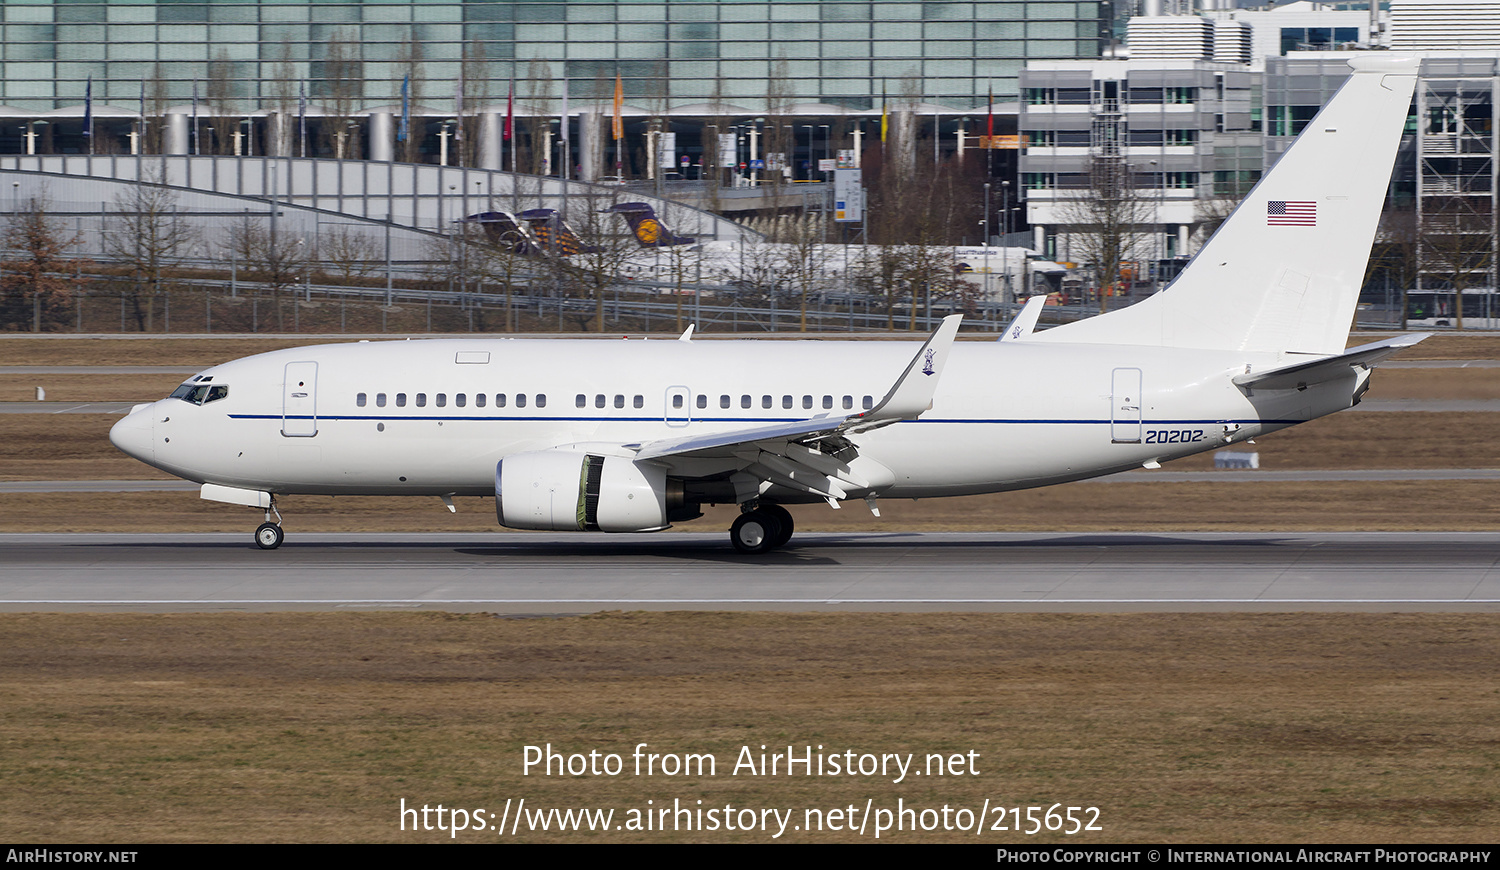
(913, 391)
(687, 334)
(1025, 320)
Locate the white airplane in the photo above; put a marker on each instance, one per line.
(633, 436)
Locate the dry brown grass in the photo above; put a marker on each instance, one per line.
(1185, 728)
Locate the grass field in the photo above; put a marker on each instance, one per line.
(1185, 728)
(1180, 728)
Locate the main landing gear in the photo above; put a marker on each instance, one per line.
(761, 529)
(268, 536)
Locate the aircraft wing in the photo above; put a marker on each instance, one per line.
(715, 444)
(1301, 375)
(812, 455)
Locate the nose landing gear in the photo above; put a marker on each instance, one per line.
(268, 536)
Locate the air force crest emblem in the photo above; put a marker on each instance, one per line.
(927, 363)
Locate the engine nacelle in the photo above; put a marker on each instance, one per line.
(558, 490)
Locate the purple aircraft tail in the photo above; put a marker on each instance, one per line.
(503, 230)
(552, 234)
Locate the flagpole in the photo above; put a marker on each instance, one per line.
(88, 114)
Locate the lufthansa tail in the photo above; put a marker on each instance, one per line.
(1283, 273)
(649, 230)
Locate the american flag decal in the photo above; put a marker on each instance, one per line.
(1285, 213)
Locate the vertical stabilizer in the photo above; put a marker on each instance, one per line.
(1283, 273)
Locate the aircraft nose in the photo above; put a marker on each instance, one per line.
(133, 435)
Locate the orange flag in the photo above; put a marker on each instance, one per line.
(619, 127)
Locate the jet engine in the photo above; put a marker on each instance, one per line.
(559, 490)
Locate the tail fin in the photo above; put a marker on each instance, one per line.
(1283, 273)
(552, 234)
(650, 231)
(503, 230)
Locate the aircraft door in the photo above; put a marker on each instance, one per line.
(679, 411)
(1125, 407)
(299, 405)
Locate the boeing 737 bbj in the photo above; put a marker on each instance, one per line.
(632, 436)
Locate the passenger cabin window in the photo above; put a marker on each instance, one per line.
(541, 400)
(421, 400)
(723, 401)
(479, 400)
(401, 400)
(499, 400)
(442, 400)
(639, 402)
(599, 400)
(380, 400)
(702, 401)
(581, 400)
(848, 403)
(677, 401)
(520, 400)
(359, 400)
(786, 401)
(620, 400)
(460, 400)
(827, 403)
(806, 402)
(868, 403)
(765, 401)
(744, 401)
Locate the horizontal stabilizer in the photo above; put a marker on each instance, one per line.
(1302, 375)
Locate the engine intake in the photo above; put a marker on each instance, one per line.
(558, 490)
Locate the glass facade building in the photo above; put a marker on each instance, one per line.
(253, 54)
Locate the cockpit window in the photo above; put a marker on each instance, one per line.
(200, 393)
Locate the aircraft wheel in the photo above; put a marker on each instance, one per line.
(269, 536)
(755, 533)
(783, 518)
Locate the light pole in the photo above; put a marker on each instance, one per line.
(1005, 236)
(809, 151)
(986, 240)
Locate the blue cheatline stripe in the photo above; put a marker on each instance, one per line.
(706, 420)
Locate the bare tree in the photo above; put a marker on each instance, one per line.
(283, 94)
(338, 83)
(541, 109)
(1393, 257)
(145, 232)
(222, 87)
(1108, 222)
(599, 264)
(1458, 249)
(274, 260)
(40, 281)
(352, 252)
(475, 83)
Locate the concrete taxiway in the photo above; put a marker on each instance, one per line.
(560, 573)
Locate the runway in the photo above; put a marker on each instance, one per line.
(559, 573)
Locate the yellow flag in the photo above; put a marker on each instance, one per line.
(619, 126)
